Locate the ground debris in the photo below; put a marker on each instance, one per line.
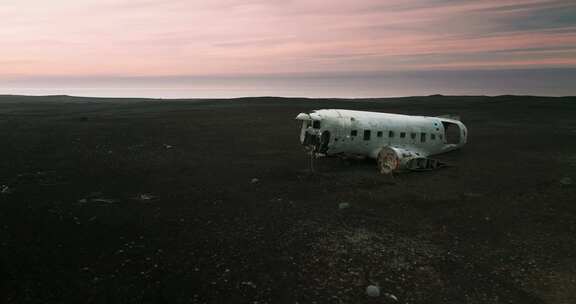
(391, 297)
(248, 283)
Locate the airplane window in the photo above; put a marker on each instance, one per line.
(353, 133)
(316, 124)
(402, 134)
(366, 134)
(413, 135)
(423, 137)
(391, 134)
(432, 136)
(379, 134)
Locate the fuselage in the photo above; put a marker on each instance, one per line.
(347, 132)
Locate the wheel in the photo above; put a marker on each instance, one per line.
(387, 160)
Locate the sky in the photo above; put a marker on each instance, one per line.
(316, 48)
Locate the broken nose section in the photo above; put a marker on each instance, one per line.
(311, 139)
(313, 134)
(319, 143)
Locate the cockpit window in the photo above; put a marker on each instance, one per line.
(316, 124)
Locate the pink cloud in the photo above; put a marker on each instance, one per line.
(221, 37)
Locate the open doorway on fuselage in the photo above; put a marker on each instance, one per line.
(451, 132)
(324, 141)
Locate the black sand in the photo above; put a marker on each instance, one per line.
(191, 201)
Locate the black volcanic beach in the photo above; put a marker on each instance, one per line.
(212, 201)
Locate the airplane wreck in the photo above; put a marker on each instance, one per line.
(398, 142)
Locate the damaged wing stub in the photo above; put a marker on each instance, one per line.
(397, 142)
(395, 160)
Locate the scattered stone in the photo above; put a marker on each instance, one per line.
(342, 206)
(145, 197)
(391, 297)
(4, 189)
(249, 283)
(167, 147)
(373, 291)
(566, 181)
(97, 200)
(254, 181)
(104, 200)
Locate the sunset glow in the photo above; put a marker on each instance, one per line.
(99, 39)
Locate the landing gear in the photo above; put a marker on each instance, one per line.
(312, 155)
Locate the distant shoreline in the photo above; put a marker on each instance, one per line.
(5, 97)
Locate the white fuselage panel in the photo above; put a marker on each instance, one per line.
(363, 133)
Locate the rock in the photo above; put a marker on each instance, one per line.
(144, 197)
(342, 206)
(104, 200)
(566, 181)
(167, 147)
(373, 291)
(4, 189)
(249, 283)
(254, 180)
(92, 198)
